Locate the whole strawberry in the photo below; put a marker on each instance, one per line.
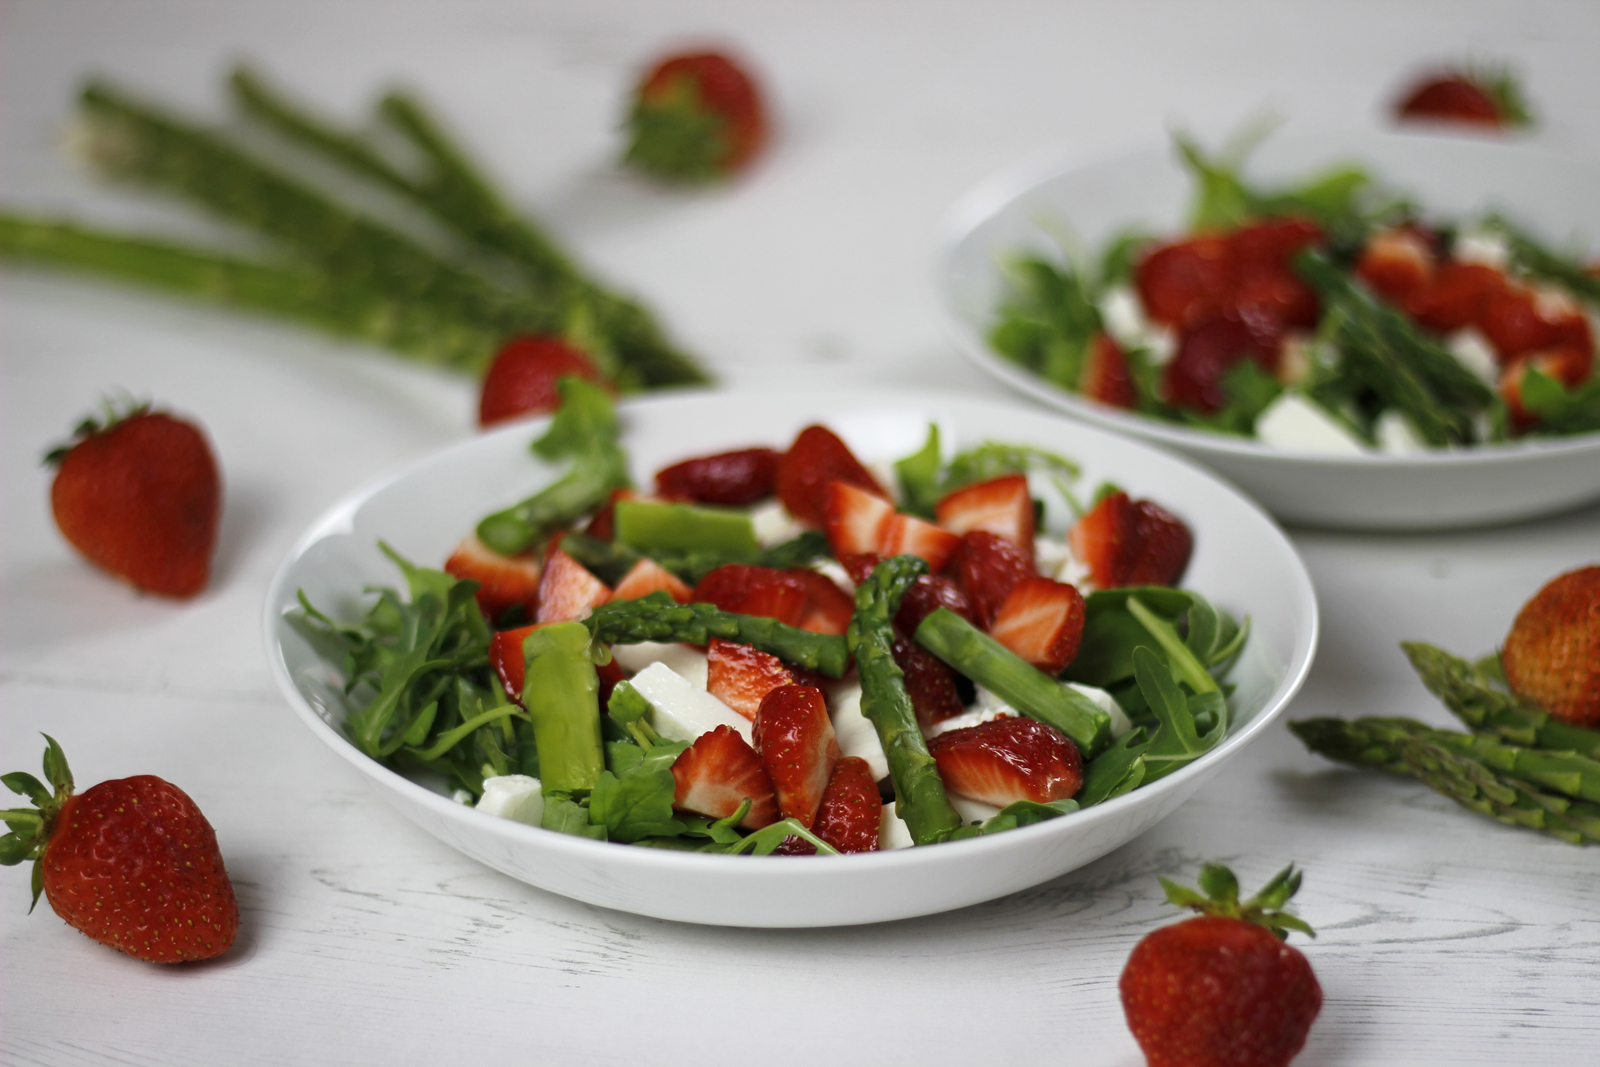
(1222, 990)
(1486, 98)
(521, 381)
(1552, 654)
(131, 863)
(140, 496)
(697, 117)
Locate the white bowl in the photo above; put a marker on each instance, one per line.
(1242, 561)
(1555, 197)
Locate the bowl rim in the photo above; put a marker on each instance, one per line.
(1014, 182)
(335, 519)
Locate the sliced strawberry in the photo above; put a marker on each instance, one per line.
(1123, 542)
(860, 565)
(1041, 621)
(909, 535)
(1001, 506)
(930, 682)
(646, 577)
(719, 772)
(510, 666)
(567, 590)
(828, 608)
(1105, 375)
(851, 808)
(1007, 760)
(731, 478)
(740, 676)
(989, 566)
(928, 594)
(854, 519)
(1270, 295)
(504, 582)
(796, 740)
(1187, 281)
(816, 458)
(749, 590)
(1207, 351)
(1455, 296)
(1397, 263)
(1512, 322)
(603, 525)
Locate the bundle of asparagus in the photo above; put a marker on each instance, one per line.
(1519, 765)
(340, 270)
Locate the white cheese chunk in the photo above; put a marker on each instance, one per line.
(1484, 247)
(970, 810)
(990, 706)
(1473, 351)
(857, 736)
(1054, 559)
(686, 661)
(833, 570)
(892, 830)
(1125, 321)
(1395, 435)
(773, 523)
(513, 796)
(1292, 421)
(1120, 723)
(681, 710)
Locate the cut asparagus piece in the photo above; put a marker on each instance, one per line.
(562, 694)
(658, 617)
(920, 799)
(1037, 695)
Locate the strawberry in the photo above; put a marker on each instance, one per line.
(602, 525)
(1455, 296)
(1222, 989)
(1206, 352)
(1270, 295)
(140, 497)
(740, 676)
(860, 565)
(851, 808)
(816, 458)
(797, 744)
(1001, 506)
(504, 582)
(132, 863)
(749, 590)
(1491, 100)
(1552, 654)
(1041, 621)
(1396, 263)
(646, 577)
(719, 772)
(509, 664)
(567, 590)
(828, 608)
(1186, 282)
(909, 535)
(1516, 322)
(1106, 377)
(1124, 542)
(854, 519)
(522, 379)
(1006, 760)
(696, 117)
(930, 682)
(731, 478)
(928, 594)
(989, 566)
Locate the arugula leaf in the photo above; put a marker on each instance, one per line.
(566, 816)
(1047, 321)
(1558, 409)
(1117, 770)
(1249, 389)
(919, 476)
(1180, 738)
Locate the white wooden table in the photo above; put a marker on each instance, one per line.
(1445, 939)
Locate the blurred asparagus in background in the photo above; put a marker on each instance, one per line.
(338, 268)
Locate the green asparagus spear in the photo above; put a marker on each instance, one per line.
(1489, 710)
(920, 799)
(1531, 256)
(1032, 692)
(306, 294)
(658, 617)
(562, 694)
(655, 527)
(1470, 783)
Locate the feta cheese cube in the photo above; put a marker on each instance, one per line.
(1125, 321)
(970, 810)
(857, 736)
(1473, 351)
(681, 710)
(1484, 247)
(1054, 559)
(892, 831)
(773, 523)
(1120, 723)
(1395, 435)
(513, 796)
(685, 660)
(1293, 421)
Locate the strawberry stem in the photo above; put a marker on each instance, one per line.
(1219, 895)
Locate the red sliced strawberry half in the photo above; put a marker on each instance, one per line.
(828, 608)
(1397, 263)
(1126, 542)
(734, 479)
(1041, 621)
(796, 740)
(909, 535)
(816, 458)
(646, 577)
(854, 519)
(860, 565)
(740, 676)
(747, 590)
(719, 772)
(989, 567)
(930, 682)
(928, 594)
(504, 582)
(851, 811)
(510, 665)
(1001, 506)
(567, 590)
(1007, 760)
(1106, 377)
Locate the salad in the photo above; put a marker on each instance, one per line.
(1329, 316)
(790, 651)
